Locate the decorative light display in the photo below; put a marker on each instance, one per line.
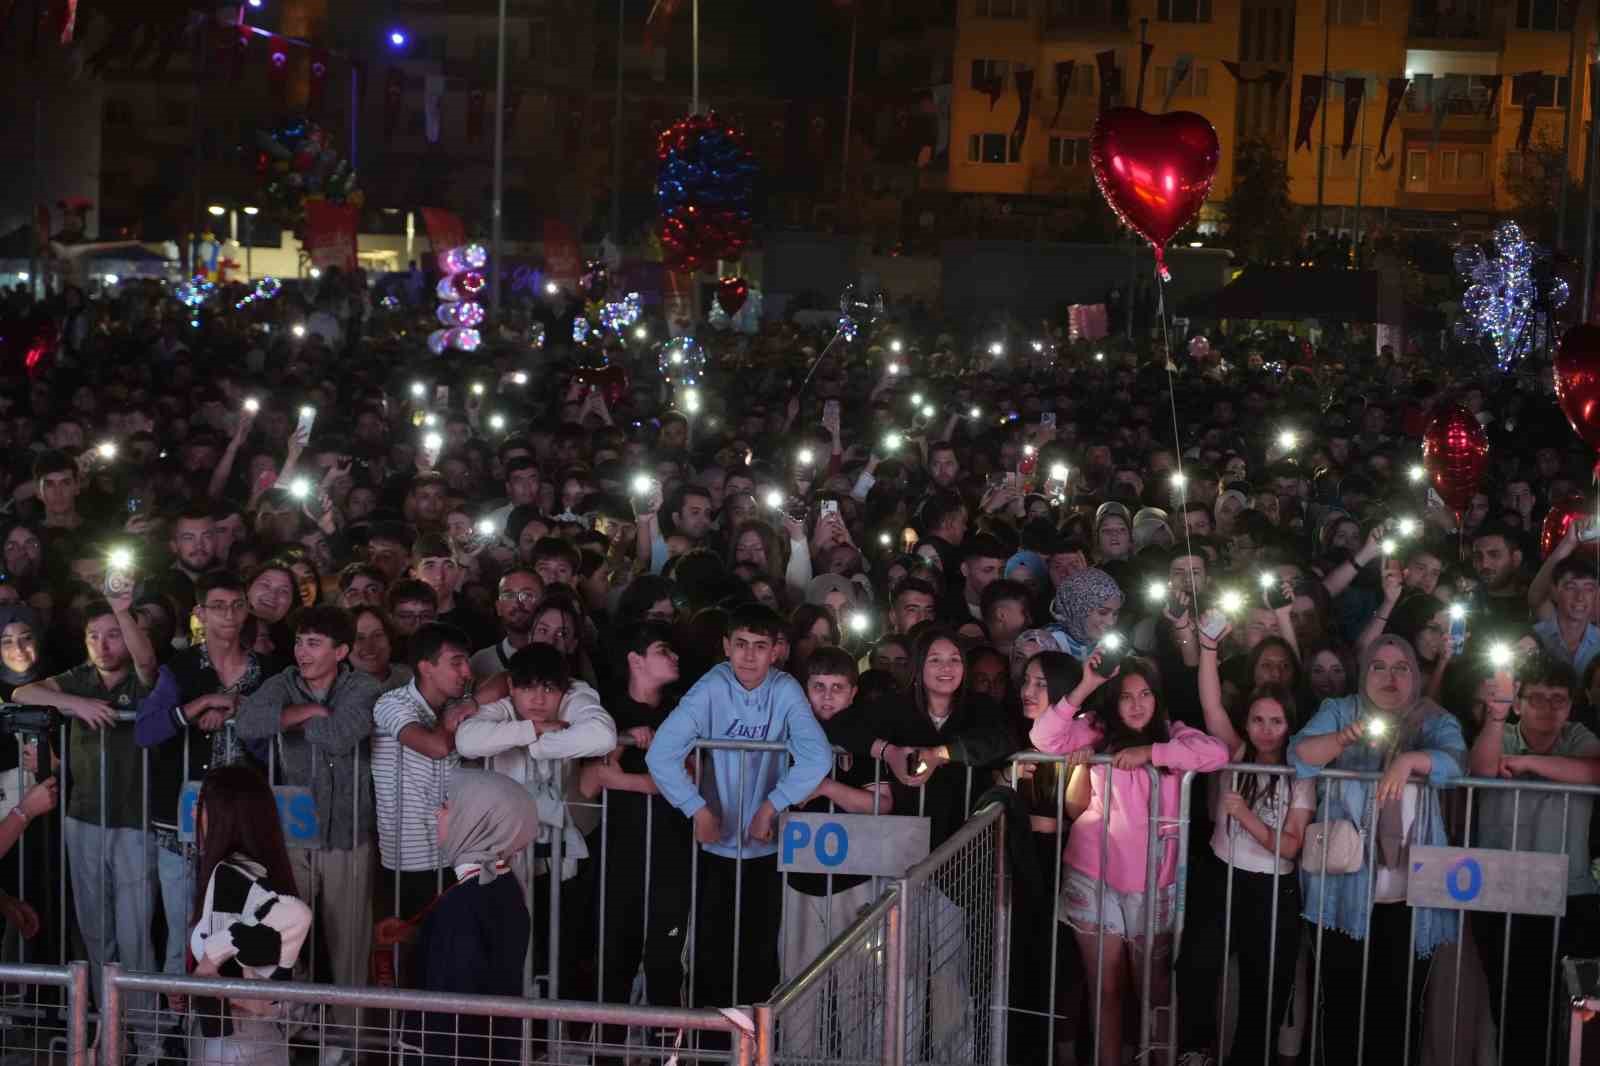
(618, 316)
(682, 361)
(1510, 295)
(266, 289)
(458, 312)
(536, 334)
(580, 329)
(703, 186)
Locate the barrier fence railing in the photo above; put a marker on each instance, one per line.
(130, 871)
(44, 1011)
(266, 1021)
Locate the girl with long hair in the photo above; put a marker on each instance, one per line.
(248, 922)
(1258, 823)
(1113, 919)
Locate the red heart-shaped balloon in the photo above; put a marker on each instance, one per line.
(1578, 381)
(1455, 450)
(1563, 513)
(611, 380)
(731, 293)
(1154, 170)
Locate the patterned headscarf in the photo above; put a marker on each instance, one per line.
(1078, 595)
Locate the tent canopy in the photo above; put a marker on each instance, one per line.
(1294, 293)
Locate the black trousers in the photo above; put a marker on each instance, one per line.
(1389, 1011)
(760, 908)
(1201, 966)
(1530, 981)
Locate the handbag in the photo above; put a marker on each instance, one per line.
(1335, 846)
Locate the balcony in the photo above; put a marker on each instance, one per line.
(1065, 19)
(1462, 29)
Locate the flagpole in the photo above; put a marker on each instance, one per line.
(694, 13)
(616, 138)
(1588, 192)
(1322, 149)
(849, 99)
(499, 161)
(1361, 173)
(1566, 139)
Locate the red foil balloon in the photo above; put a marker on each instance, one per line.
(1562, 514)
(611, 380)
(1455, 450)
(731, 294)
(1154, 170)
(1578, 382)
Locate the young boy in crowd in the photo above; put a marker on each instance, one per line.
(742, 699)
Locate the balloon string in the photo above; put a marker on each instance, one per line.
(1162, 277)
(818, 361)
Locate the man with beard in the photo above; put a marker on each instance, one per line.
(519, 591)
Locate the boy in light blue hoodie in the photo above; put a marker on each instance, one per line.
(743, 699)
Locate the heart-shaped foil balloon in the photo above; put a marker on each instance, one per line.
(1154, 170)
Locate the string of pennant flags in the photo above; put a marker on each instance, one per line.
(1525, 89)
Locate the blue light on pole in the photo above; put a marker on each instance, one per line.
(255, 4)
(397, 38)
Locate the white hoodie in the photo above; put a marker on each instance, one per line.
(545, 765)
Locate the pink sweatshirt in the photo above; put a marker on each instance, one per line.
(1057, 732)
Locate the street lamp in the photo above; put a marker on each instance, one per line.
(217, 210)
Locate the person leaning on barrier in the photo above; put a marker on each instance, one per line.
(931, 739)
(1112, 915)
(818, 907)
(742, 699)
(1543, 744)
(646, 841)
(1388, 726)
(318, 714)
(413, 753)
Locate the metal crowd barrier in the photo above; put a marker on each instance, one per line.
(44, 1011)
(263, 1025)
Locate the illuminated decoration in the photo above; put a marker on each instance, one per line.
(1510, 295)
(747, 319)
(266, 289)
(390, 303)
(682, 361)
(703, 187)
(298, 161)
(536, 333)
(195, 292)
(847, 328)
(617, 316)
(1455, 452)
(458, 311)
(580, 329)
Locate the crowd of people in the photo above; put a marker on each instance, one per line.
(468, 602)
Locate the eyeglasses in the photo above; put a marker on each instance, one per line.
(414, 616)
(231, 607)
(522, 596)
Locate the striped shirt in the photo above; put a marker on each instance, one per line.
(410, 786)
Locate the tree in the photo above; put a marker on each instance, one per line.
(1261, 220)
(1533, 181)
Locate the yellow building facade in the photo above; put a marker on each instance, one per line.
(1446, 152)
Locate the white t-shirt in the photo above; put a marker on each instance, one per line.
(1246, 854)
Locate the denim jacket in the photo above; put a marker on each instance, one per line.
(1346, 906)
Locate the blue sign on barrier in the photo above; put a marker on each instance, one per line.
(882, 845)
(297, 812)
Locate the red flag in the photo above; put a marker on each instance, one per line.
(475, 101)
(445, 229)
(1310, 100)
(1355, 91)
(1491, 90)
(330, 237)
(1525, 87)
(1391, 108)
(1063, 85)
(1019, 132)
(278, 67)
(1110, 82)
(319, 81)
(394, 90)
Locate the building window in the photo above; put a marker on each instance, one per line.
(1003, 9)
(1551, 91)
(1461, 166)
(987, 71)
(1197, 84)
(1552, 15)
(1417, 170)
(1184, 10)
(1354, 12)
(1069, 151)
(1472, 165)
(1448, 166)
(990, 148)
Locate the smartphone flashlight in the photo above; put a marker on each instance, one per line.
(1156, 592)
(641, 484)
(1231, 601)
(300, 488)
(774, 499)
(976, 412)
(1288, 439)
(433, 442)
(996, 348)
(1178, 480)
(1389, 545)
(806, 457)
(1111, 641)
(894, 368)
(1406, 527)
(928, 410)
(486, 527)
(251, 405)
(308, 412)
(916, 399)
(497, 422)
(885, 539)
(1500, 655)
(691, 400)
(1377, 727)
(418, 389)
(1267, 579)
(1029, 450)
(896, 346)
(891, 442)
(1457, 612)
(519, 378)
(106, 449)
(859, 622)
(120, 559)
(1058, 472)
(477, 388)
(1416, 473)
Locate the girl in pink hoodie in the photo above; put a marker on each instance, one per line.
(1130, 724)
